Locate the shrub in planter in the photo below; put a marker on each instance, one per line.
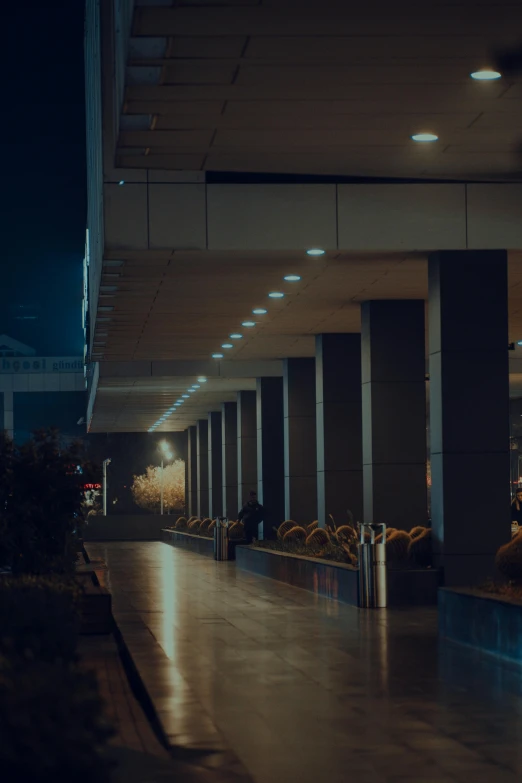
(51, 724)
(417, 531)
(284, 527)
(346, 533)
(312, 526)
(236, 531)
(318, 538)
(420, 549)
(296, 533)
(508, 559)
(39, 618)
(180, 523)
(397, 546)
(389, 531)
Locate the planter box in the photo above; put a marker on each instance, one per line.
(199, 544)
(95, 605)
(481, 620)
(338, 580)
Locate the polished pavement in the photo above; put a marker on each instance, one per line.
(285, 686)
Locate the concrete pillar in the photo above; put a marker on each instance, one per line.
(246, 445)
(229, 458)
(192, 472)
(8, 403)
(202, 446)
(215, 465)
(270, 453)
(339, 427)
(469, 411)
(300, 458)
(394, 412)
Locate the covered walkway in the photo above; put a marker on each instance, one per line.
(285, 686)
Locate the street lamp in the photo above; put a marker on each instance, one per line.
(166, 454)
(105, 463)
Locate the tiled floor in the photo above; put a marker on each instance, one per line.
(304, 689)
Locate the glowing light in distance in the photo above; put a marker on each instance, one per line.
(276, 295)
(260, 311)
(425, 137)
(235, 336)
(196, 386)
(185, 396)
(485, 75)
(217, 355)
(248, 324)
(315, 251)
(202, 380)
(227, 345)
(292, 278)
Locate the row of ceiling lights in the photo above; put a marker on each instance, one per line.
(484, 75)
(291, 278)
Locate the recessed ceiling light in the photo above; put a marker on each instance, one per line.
(292, 278)
(260, 311)
(425, 137)
(248, 324)
(217, 355)
(185, 396)
(486, 75)
(519, 342)
(179, 401)
(191, 391)
(235, 336)
(196, 386)
(227, 345)
(315, 251)
(121, 182)
(202, 380)
(276, 295)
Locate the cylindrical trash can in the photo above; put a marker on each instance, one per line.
(373, 587)
(221, 539)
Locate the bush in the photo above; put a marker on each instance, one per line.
(51, 724)
(39, 618)
(41, 504)
(397, 547)
(509, 559)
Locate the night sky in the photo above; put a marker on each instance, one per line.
(43, 144)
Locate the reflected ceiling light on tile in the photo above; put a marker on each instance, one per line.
(276, 295)
(235, 336)
(260, 311)
(485, 75)
(292, 278)
(202, 380)
(227, 345)
(424, 137)
(315, 251)
(248, 324)
(217, 355)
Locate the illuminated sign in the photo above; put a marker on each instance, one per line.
(32, 364)
(92, 486)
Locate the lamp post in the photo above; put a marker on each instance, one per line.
(105, 463)
(166, 454)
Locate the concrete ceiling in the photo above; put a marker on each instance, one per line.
(183, 306)
(315, 87)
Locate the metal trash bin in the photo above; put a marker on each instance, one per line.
(373, 586)
(221, 539)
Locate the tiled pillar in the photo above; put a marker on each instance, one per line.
(192, 472)
(394, 412)
(8, 413)
(202, 445)
(300, 440)
(469, 411)
(246, 445)
(270, 453)
(215, 465)
(229, 458)
(339, 427)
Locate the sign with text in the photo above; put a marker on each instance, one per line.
(39, 364)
